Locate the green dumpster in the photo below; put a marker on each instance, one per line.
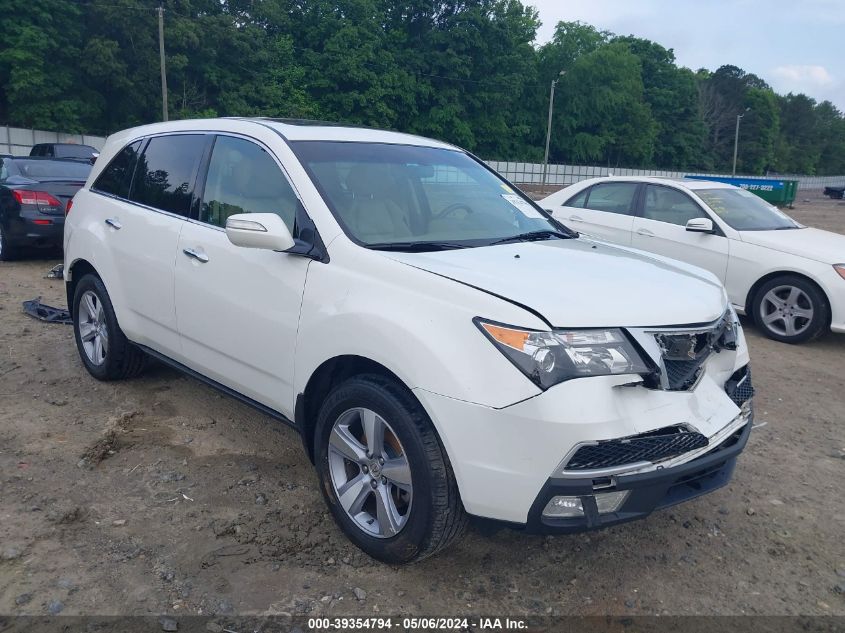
(778, 192)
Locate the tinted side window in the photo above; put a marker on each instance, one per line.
(164, 178)
(243, 178)
(669, 205)
(613, 197)
(117, 177)
(578, 200)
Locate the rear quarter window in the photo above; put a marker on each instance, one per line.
(117, 177)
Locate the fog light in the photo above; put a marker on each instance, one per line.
(608, 502)
(571, 507)
(565, 507)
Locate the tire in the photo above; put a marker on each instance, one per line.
(428, 512)
(7, 252)
(117, 357)
(791, 309)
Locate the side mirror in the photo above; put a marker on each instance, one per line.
(259, 230)
(700, 225)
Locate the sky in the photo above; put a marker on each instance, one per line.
(795, 46)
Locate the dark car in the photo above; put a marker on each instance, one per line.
(65, 150)
(34, 197)
(835, 192)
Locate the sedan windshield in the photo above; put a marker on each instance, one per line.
(402, 197)
(744, 211)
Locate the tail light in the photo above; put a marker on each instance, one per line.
(69, 205)
(40, 199)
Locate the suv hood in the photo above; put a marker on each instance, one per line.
(583, 283)
(815, 244)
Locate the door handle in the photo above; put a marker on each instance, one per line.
(576, 218)
(114, 223)
(645, 232)
(196, 254)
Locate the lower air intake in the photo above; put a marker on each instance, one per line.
(650, 447)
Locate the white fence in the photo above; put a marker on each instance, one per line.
(18, 141)
(564, 175)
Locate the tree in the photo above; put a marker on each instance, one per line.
(671, 94)
(39, 48)
(603, 115)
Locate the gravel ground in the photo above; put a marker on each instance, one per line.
(159, 495)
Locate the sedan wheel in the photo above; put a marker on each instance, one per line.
(786, 310)
(791, 309)
(370, 472)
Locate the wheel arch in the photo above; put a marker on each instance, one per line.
(77, 270)
(330, 373)
(752, 292)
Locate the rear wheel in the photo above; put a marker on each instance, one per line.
(384, 473)
(105, 351)
(791, 309)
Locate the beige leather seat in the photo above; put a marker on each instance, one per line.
(374, 215)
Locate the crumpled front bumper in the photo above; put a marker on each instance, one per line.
(503, 459)
(648, 491)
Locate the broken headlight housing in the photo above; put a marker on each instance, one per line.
(549, 358)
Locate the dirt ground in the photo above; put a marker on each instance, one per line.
(157, 495)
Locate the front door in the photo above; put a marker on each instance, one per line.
(661, 229)
(238, 308)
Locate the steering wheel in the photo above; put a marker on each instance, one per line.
(451, 209)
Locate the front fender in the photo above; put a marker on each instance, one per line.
(416, 324)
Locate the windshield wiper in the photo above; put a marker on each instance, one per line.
(533, 236)
(415, 247)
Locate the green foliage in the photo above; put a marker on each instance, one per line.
(465, 71)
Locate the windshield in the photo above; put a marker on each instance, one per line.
(404, 196)
(38, 169)
(744, 211)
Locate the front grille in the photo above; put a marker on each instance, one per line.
(649, 447)
(684, 353)
(739, 387)
(682, 374)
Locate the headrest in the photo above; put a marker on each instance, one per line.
(370, 180)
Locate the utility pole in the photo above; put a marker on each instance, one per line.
(161, 57)
(736, 137)
(549, 127)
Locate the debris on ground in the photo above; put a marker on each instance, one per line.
(43, 312)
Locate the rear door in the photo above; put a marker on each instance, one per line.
(144, 207)
(238, 308)
(661, 228)
(605, 210)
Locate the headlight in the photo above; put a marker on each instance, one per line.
(548, 358)
(840, 268)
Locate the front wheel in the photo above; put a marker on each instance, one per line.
(384, 473)
(791, 309)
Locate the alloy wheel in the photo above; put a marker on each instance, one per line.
(93, 330)
(786, 310)
(370, 472)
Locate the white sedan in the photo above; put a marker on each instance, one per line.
(790, 279)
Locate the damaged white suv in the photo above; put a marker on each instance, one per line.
(443, 346)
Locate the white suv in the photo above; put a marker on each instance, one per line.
(443, 346)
